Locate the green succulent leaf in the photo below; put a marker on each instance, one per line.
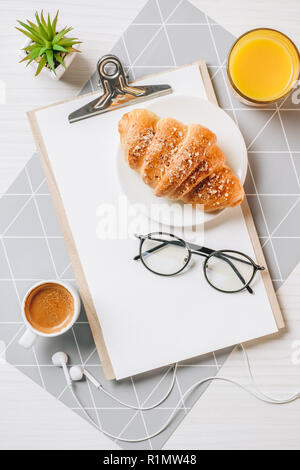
(30, 29)
(68, 42)
(25, 58)
(36, 52)
(31, 36)
(32, 58)
(59, 35)
(42, 50)
(54, 23)
(59, 59)
(72, 49)
(29, 32)
(64, 44)
(42, 29)
(32, 55)
(43, 20)
(50, 31)
(56, 47)
(49, 55)
(34, 26)
(30, 47)
(41, 65)
(46, 26)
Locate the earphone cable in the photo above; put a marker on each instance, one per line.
(146, 408)
(208, 379)
(257, 393)
(267, 397)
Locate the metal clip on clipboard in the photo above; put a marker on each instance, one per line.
(117, 92)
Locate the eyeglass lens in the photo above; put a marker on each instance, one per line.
(164, 254)
(228, 271)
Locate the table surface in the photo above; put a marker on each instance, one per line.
(224, 417)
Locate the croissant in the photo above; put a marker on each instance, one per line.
(178, 161)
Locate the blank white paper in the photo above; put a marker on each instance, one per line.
(147, 321)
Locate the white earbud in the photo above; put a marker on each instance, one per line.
(60, 359)
(78, 372)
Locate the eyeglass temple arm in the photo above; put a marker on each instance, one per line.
(209, 251)
(155, 248)
(137, 257)
(202, 251)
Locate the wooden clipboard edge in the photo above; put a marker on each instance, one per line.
(249, 219)
(75, 260)
(262, 261)
(70, 243)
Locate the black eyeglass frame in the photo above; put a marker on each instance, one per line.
(208, 253)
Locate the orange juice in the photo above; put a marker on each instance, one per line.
(263, 66)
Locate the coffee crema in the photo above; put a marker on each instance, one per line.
(49, 308)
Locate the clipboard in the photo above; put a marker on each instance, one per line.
(74, 256)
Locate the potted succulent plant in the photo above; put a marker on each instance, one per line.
(46, 47)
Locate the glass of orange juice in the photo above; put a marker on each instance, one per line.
(263, 66)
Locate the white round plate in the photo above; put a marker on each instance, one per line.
(189, 110)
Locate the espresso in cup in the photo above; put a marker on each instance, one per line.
(49, 308)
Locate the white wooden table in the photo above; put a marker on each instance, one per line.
(224, 417)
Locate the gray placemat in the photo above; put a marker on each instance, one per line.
(166, 34)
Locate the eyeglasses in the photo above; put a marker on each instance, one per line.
(227, 271)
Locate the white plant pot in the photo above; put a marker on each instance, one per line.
(59, 71)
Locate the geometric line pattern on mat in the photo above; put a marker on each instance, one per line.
(149, 45)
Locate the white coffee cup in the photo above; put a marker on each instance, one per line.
(31, 333)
